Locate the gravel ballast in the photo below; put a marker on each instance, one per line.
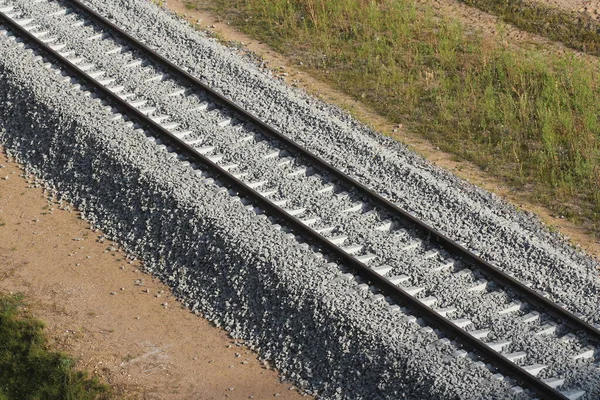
(220, 259)
(248, 277)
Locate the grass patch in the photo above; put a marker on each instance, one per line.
(190, 5)
(577, 30)
(526, 116)
(28, 370)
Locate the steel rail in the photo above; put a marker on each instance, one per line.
(453, 248)
(500, 362)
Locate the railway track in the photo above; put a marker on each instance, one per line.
(423, 275)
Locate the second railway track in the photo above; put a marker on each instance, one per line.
(425, 276)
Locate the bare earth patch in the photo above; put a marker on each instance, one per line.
(119, 323)
(590, 7)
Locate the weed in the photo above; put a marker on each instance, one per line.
(189, 5)
(28, 369)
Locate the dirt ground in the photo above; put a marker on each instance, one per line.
(582, 6)
(490, 24)
(294, 75)
(118, 322)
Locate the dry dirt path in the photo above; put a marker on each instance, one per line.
(590, 7)
(118, 322)
(491, 25)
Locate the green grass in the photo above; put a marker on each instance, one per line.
(576, 30)
(28, 370)
(189, 5)
(527, 116)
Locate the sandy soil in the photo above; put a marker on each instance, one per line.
(119, 323)
(294, 75)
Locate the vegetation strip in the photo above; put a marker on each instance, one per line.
(576, 30)
(28, 369)
(526, 116)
